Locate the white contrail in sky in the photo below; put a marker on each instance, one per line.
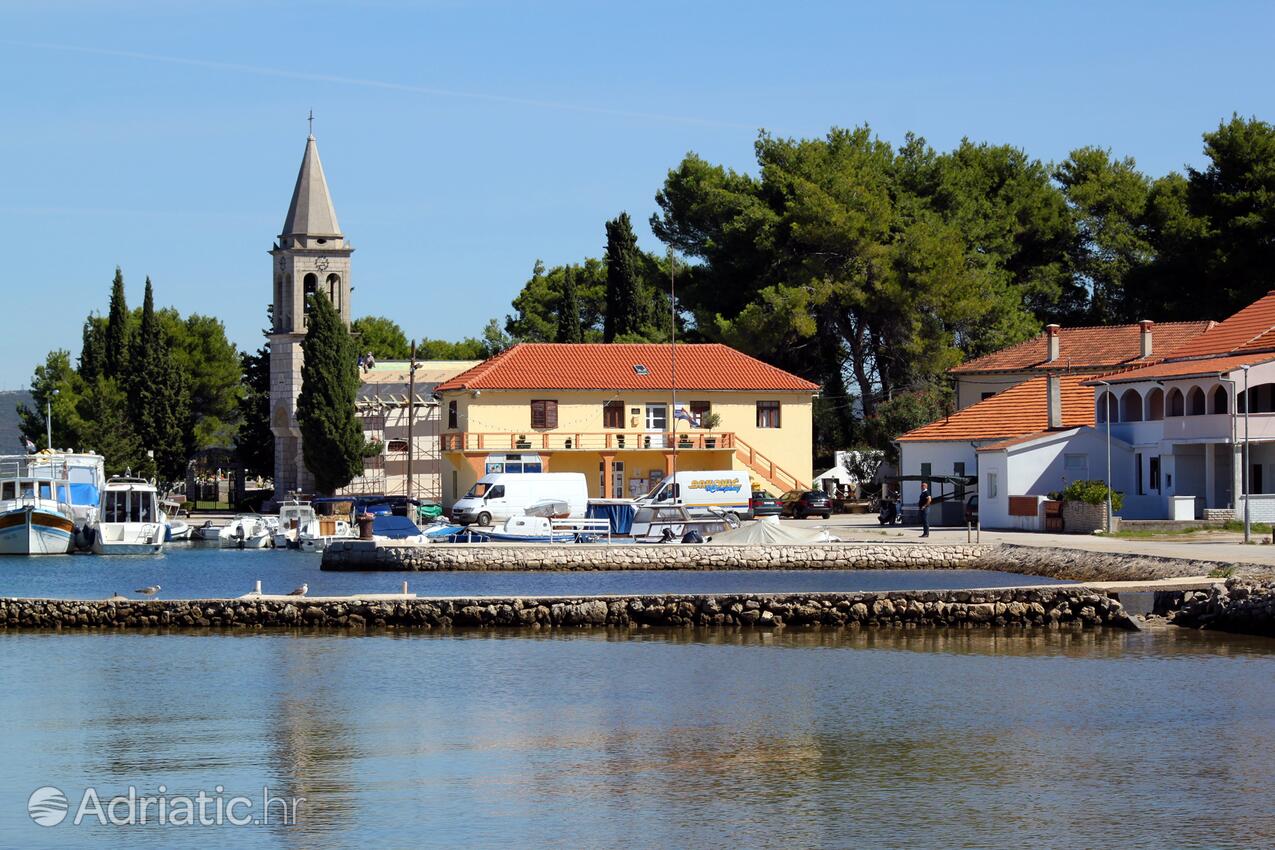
(261, 70)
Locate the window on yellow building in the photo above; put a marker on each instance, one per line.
(699, 410)
(451, 414)
(544, 413)
(613, 414)
(767, 414)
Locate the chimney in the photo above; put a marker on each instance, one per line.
(1144, 336)
(1054, 402)
(1051, 343)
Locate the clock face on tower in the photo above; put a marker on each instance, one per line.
(321, 264)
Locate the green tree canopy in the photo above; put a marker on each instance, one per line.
(331, 436)
(382, 337)
(118, 337)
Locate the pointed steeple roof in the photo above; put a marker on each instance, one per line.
(311, 212)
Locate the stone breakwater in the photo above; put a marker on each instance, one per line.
(1052, 607)
(356, 555)
(1085, 565)
(1239, 605)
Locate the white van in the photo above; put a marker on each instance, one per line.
(501, 495)
(725, 490)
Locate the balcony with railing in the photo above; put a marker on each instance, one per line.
(588, 441)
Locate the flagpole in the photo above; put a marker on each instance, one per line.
(672, 289)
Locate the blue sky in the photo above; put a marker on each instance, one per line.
(464, 140)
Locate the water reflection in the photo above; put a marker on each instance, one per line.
(660, 737)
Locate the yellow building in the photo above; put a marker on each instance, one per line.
(626, 416)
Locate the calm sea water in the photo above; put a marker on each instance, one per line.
(186, 572)
(656, 739)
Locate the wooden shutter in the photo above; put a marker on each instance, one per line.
(544, 413)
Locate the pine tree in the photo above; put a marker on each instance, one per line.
(330, 432)
(254, 444)
(569, 326)
(107, 428)
(115, 354)
(625, 308)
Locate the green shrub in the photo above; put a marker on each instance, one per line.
(1092, 493)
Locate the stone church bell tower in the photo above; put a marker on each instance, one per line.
(310, 256)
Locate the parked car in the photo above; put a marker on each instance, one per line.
(803, 503)
(764, 504)
(971, 510)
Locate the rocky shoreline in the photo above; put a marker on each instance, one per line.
(1044, 607)
(1240, 605)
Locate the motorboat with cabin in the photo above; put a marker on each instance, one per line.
(250, 531)
(296, 519)
(85, 474)
(129, 521)
(36, 516)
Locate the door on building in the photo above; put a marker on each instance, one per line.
(1255, 480)
(656, 425)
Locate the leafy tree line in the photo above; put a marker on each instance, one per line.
(147, 390)
(872, 268)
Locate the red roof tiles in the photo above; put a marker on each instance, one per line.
(601, 366)
(1199, 367)
(1248, 330)
(1021, 409)
(1089, 348)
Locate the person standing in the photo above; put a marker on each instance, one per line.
(924, 504)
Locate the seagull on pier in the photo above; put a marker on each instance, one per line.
(300, 591)
(149, 590)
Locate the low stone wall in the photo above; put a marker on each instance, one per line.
(1083, 565)
(1083, 518)
(1045, 607)
(1239, 605)
(362, 555)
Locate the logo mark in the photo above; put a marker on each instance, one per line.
(47, 806)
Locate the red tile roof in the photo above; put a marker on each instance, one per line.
(1018, 441)
(1089, 348)
(1248, 330)
(1021, 409)
(601, 366)
(1199, 367)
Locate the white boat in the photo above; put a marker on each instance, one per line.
(179, 531)
(206, 532)
(129, 521)
(247, 532)
(296, 519)
(35, 510)
(542, 529)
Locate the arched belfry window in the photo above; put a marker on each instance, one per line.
(309, 286)
(334, 290)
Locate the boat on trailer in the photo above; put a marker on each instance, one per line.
(36, 517)
(129, 521)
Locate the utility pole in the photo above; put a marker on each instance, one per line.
(672, 293)
(1106, 409)
(48, 418)
(411, 420)
(1244, 473)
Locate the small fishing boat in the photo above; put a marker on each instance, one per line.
(129, 521)
(296, 519)
(35, 510)
(206, 532)
(534, 529)
(179, 531)
(85, 474)
(247, 532)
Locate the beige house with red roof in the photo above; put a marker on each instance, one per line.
(625, 415)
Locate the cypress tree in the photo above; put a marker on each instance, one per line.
(625, 310)
(332, 439)
(158, 396)
(569, 326)
(115, 354)
(92, 349)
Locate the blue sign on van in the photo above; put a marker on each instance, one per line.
(717, 485)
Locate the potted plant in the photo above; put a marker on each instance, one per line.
(523, 442)
(709, 422)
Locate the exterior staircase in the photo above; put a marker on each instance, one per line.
(767, 469)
